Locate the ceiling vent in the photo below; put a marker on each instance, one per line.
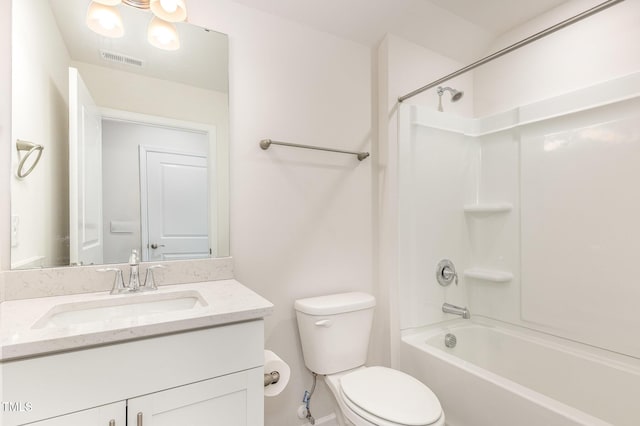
(120, 58)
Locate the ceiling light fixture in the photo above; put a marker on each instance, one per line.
(103, 17)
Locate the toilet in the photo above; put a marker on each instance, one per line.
(334, 332)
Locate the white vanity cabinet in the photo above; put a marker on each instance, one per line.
(209, 376)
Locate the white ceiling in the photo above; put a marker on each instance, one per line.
(461, 29)
(497, 16)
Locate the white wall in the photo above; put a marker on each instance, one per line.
(39, 116)
(5, 136)
(301, 220)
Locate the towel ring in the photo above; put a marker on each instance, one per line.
(30, 148)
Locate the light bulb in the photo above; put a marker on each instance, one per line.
(169, 5)
(169, 10)
(163, 34)
(104, 20)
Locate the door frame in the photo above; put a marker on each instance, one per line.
(212, 162)
(77, 183)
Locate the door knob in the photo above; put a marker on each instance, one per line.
(155, 246)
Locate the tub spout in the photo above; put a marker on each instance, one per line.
(457, 310)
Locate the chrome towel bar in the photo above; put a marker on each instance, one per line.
(266, 143)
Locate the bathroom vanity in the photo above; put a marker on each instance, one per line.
(155, 361)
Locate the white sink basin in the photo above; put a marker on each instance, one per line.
(119, 307)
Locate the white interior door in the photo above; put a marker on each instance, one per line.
(174, 205)
(85, 174)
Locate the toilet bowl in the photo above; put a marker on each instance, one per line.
(334, 332)
(383, 396)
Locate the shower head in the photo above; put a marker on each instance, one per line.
(456, 95)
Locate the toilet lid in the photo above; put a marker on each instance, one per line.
(391, 395)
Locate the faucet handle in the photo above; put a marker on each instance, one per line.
(449, 273)
(118, 282)
(149, 279)
(446, 273)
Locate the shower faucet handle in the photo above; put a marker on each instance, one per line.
(446, 272)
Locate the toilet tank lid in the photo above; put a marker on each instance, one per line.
(335, 303)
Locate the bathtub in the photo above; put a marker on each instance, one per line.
(502, 375)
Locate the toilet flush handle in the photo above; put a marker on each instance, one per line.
(324, 323)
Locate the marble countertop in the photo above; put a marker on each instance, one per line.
(22, 333)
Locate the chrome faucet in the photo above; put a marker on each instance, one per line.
(134, 277)
(456, 310)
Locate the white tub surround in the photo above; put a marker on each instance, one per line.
(526, 210)
(24, 333)
(528, 378)
(534, 205)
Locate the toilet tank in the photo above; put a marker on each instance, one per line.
(334, 330)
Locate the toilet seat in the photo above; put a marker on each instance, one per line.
(387, 397)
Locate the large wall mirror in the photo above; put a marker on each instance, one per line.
(132, 139)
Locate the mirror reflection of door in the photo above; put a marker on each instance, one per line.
(85, 175)
(174, 205)
(156, 189)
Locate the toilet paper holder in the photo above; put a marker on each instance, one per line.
(271, 378)
(276, 374)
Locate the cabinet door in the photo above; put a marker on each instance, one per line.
(232, 400)
(106, 415)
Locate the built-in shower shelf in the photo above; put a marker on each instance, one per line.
(487, 208)
(492, 275)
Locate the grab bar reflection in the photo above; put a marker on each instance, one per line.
(30, 147)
